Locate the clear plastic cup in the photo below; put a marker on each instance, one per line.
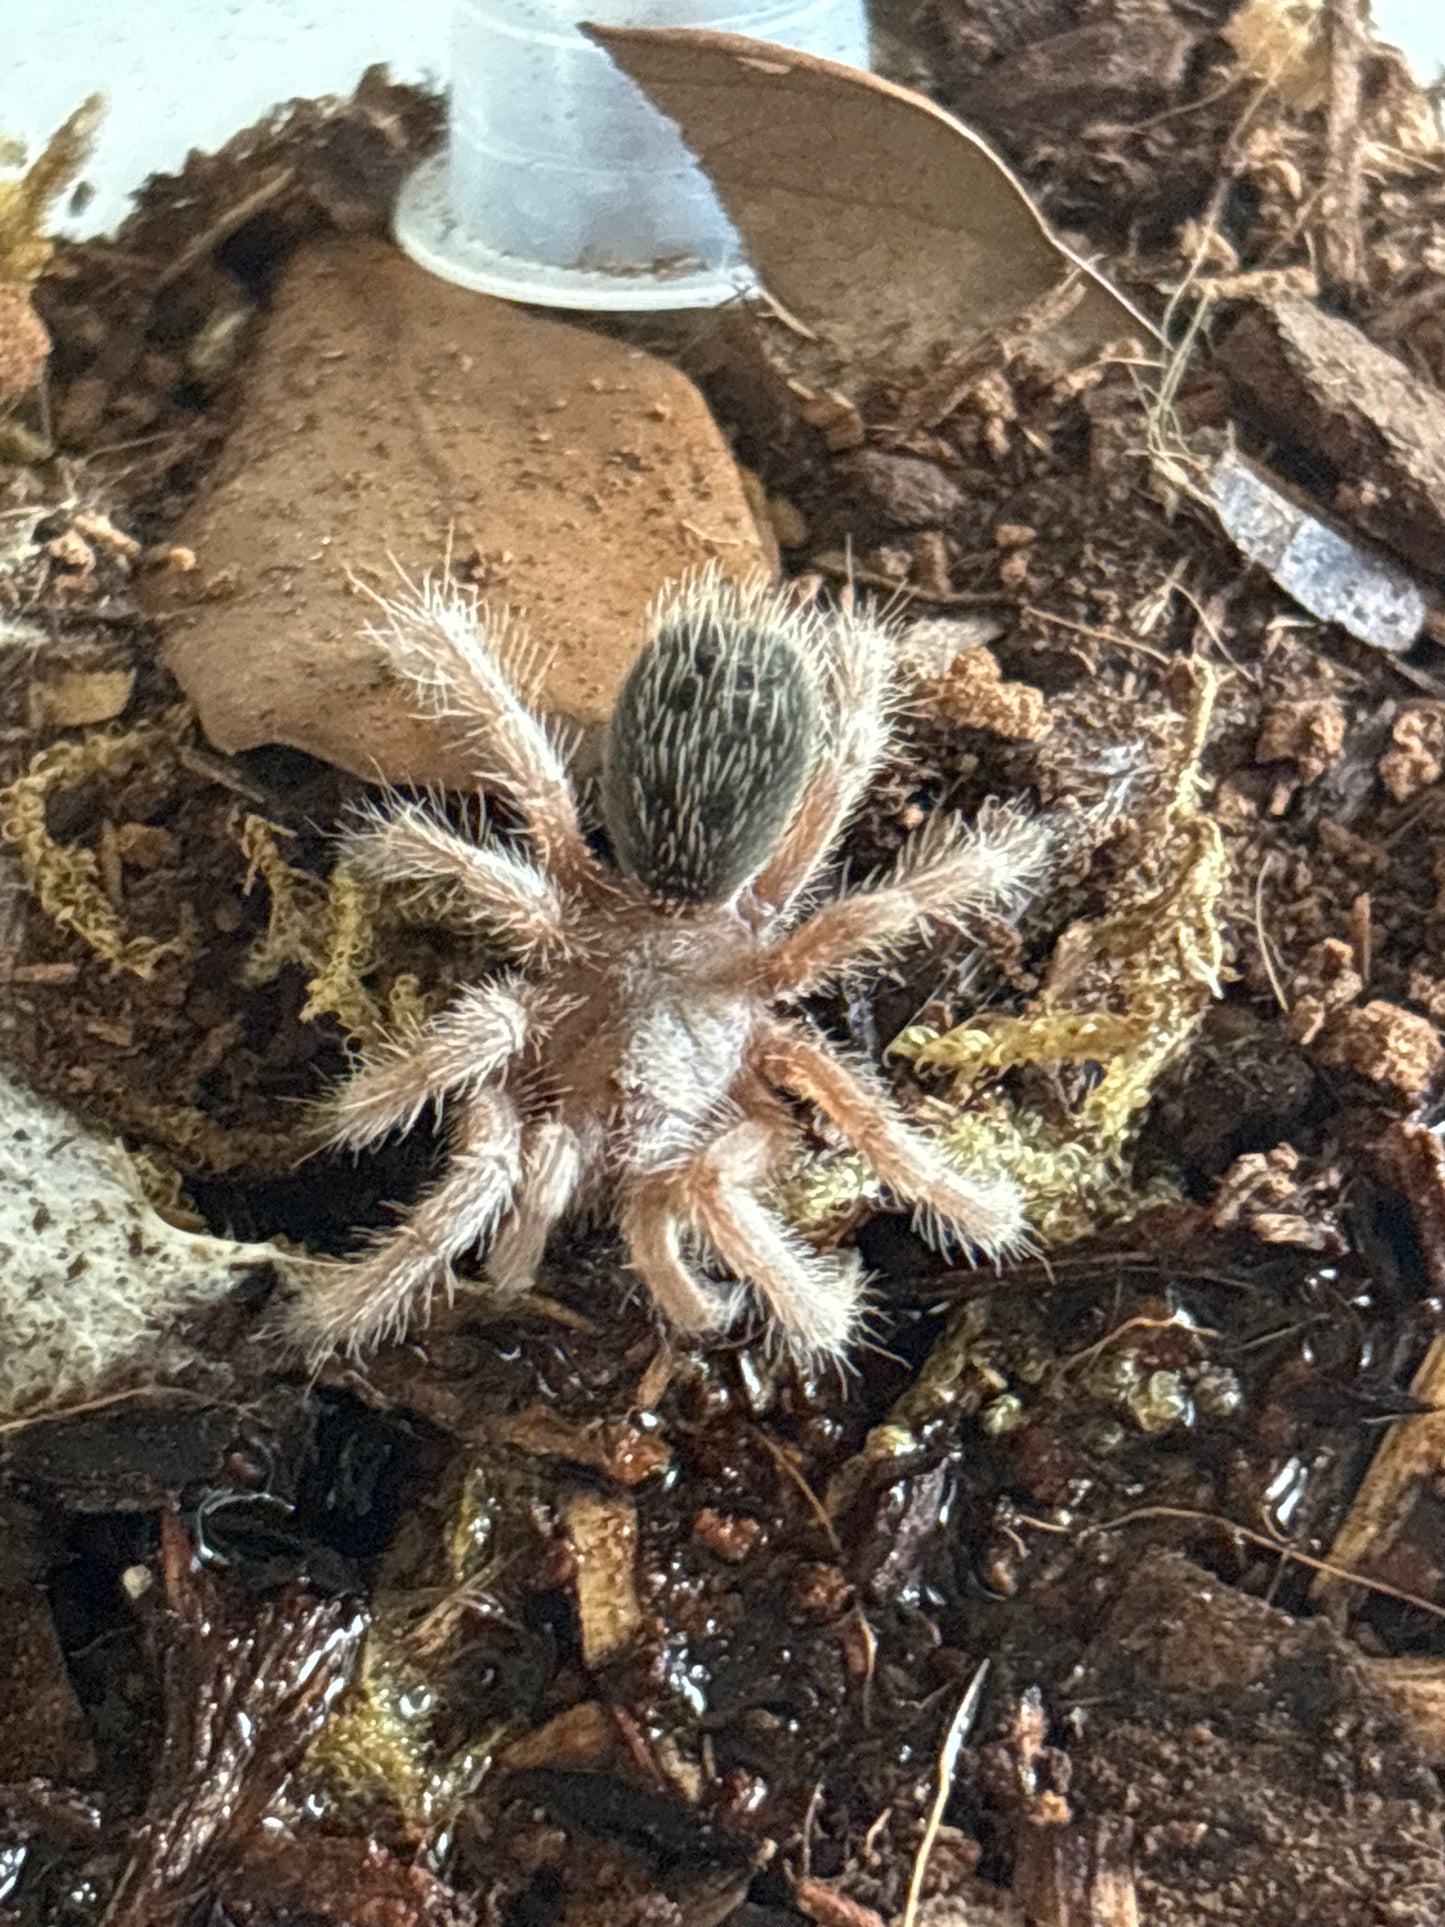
(561, 183)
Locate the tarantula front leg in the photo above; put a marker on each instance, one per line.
(984, 1213)
(551, 1166)
(653, 1229)
(473, 1039)
(468, 883)
(813, 1296)
(356, 1304)
(939, 876)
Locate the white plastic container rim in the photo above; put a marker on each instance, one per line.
(561, 184)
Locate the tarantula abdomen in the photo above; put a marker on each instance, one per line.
(709, 746)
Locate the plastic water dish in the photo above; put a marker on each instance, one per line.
(561, 183)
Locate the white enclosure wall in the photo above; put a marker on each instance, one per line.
(188, 73)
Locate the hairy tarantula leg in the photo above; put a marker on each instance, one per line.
(472, 883)
(939, 876)
(449, 648)
(653, 1231)
(551, 1167)
(984, 1212)
(357, 1304)
(813, 1298)
(854, 660)
(474, 1038)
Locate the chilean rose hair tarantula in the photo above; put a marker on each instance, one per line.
(635, 1060)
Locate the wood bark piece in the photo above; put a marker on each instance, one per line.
(43, 1733)
(1319, 384)
(602, 1532)
(1416, 1687)
(1391, 1531)
(891, 231)
(1078, 1875)
(1253, 1758)
(391, 419)
(1333, 575)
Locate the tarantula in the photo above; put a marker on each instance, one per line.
(634, 1059)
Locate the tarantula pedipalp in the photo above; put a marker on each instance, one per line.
(634, 1060)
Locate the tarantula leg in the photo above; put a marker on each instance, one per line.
(358, 1304)
(472, 1040)
(854, 658)
(551, 1167)
(814, 1298)
(653, 1232)
(450, 648)
(992, 864)
(469, 883)
(984, 1212)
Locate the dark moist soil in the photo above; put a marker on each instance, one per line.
(1113, 1476)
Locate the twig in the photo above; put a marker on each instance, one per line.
(1262, 938)
(785, 1465)
(953, 1739)
(1174, 1322)
(224, 226)
(1345, 1574)
(1111, 636)
(1340, 238)
(840, 566)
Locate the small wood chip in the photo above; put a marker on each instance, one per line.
(974, 694)
(615, 1449)
(1388, 1045)
(726, 1534)
(823, 1903)
(602, 1534)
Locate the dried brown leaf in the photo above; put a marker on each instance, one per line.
(244, 1699)
(890, 231)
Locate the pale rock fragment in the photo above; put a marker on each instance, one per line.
(1333, 577)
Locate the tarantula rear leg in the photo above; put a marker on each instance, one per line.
(356, 1304)
(941, 876)
(461, 881)
(814, 1297)
(986, 1213)
(450, 648)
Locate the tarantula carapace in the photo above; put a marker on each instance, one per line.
(635, 1061)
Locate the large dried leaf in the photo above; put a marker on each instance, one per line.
(882, 224)
(94, 1284)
